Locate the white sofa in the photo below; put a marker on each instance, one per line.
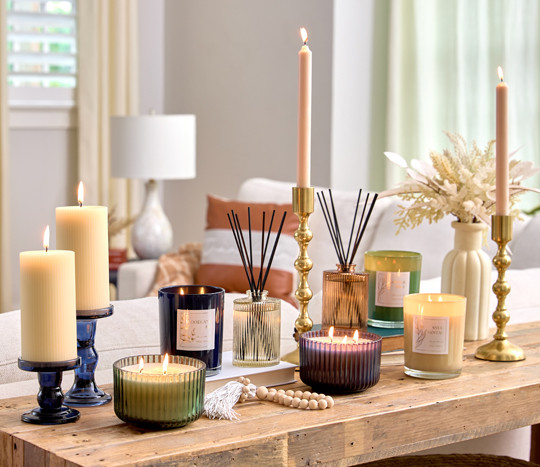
(134, 328)
(433, 241)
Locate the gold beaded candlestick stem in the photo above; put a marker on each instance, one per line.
(500, 349)
(303, 204)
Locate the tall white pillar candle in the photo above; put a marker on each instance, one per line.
(304, 115)
(48, 317)
(501, 148)
(84, 230)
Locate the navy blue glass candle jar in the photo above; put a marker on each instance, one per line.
(191, 323)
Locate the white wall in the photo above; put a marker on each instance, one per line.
(351, 93)
(234, 64)
(43, 175)
(151, 55)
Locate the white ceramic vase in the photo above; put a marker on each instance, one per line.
(467, 271)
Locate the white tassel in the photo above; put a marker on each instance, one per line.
(219, 403)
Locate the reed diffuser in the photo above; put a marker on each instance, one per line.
(345, 291)
(256, 317)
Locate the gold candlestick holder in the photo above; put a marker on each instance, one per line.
(303, 205)
(500, 349)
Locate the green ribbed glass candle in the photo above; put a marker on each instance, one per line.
(152, 398)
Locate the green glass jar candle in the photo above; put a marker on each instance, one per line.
(157, 397)
(392, 275)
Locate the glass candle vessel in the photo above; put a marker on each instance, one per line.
(256, 330)
(191, 323)
(148, 397)
(392, 275)
(345, 298)
(434, 335)
(331, 366)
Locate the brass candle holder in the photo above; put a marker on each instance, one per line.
(500, 349)
(303, 205)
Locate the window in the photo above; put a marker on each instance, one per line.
(42, 53)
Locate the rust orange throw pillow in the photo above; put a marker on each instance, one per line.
(221, 264)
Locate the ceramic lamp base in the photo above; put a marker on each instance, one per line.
(50, 396)
(152, 233)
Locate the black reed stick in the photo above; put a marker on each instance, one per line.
(330, 226)
(346, 258)
(241, 251)
(246, 249)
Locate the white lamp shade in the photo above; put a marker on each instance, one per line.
(156, 147)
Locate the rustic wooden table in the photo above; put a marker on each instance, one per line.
(399, 415)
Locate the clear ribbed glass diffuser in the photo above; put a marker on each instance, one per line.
(256, 331)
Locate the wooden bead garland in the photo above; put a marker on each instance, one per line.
(297, 399)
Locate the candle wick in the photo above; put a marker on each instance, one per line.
(305, 42)
(46, 249)
(80, 204)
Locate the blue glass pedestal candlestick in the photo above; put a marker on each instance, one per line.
(85, 392)
(51, 411)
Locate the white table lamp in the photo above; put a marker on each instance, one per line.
(153, 147)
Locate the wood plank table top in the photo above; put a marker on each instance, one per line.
(399, 415)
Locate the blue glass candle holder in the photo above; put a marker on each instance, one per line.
(51, 410)
(85, 392)
(191, 323)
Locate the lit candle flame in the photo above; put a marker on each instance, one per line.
(331, 333)
(165, 363)
(46, 236)
(355, 337)
(141, 364)
(344, 340)
(500, 73)
(303, 34)
(80, 194)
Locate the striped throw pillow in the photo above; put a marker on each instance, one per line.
(221, 264)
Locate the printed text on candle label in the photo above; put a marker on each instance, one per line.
(390, 288)
(430, 334)
(195, 329)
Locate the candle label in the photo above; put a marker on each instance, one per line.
(390, 288)
(430, 334)
(195, 329)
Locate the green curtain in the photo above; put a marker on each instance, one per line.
(435, 69)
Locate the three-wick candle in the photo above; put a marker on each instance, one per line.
(340, 360)
(303, 174)
(48, 317)
(84, 230)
